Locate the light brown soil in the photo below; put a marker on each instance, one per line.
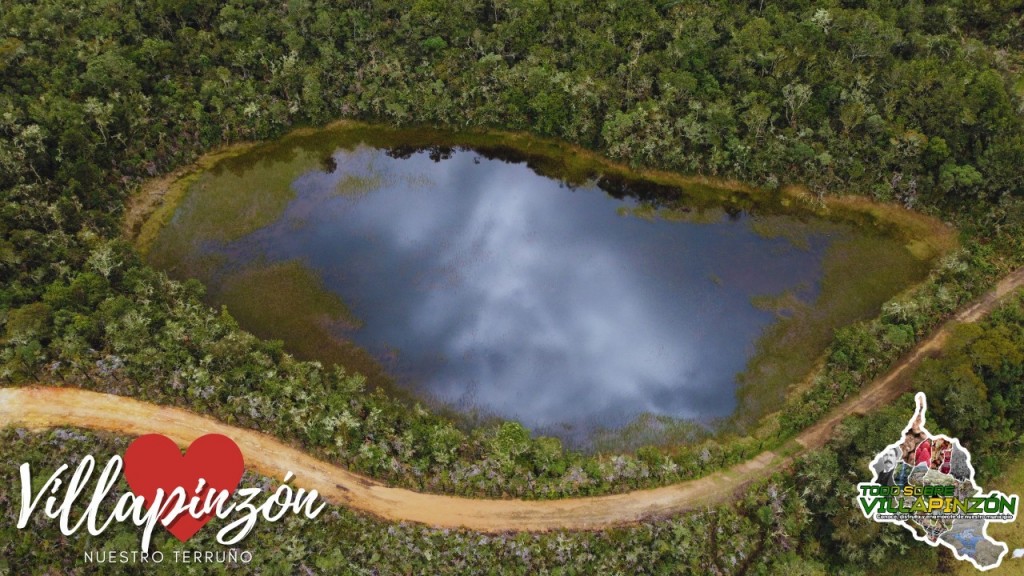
(142, 204)
(41, 408)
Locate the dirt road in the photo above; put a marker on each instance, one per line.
(49, 407)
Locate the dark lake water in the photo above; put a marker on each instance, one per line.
(478, 284)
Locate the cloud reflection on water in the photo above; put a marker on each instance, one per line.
(500, 289)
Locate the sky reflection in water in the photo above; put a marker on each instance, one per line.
(485, 285)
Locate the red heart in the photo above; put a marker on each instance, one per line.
(154, 461)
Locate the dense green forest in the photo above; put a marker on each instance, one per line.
(778, 526)
(794, 523)
(100, 96)
(920, 103)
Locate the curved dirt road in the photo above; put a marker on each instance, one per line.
(49, 407)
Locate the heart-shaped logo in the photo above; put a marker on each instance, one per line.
(155, 462)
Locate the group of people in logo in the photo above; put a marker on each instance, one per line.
(935, 453)
(917, 455)
(919, 459)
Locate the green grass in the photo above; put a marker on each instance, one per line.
(861, 272)
(286, 301)
(175, 188)
(354, 185)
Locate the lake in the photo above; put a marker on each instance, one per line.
(477, 280)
